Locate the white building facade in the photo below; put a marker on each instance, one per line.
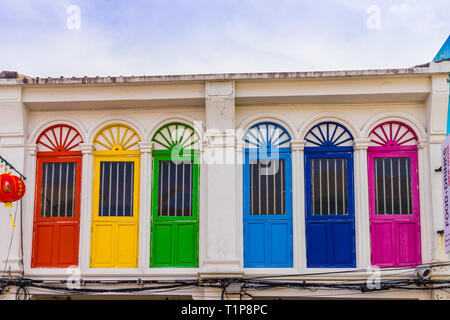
(222, 109)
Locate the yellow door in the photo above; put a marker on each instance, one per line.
(115, 212)
(115, 202)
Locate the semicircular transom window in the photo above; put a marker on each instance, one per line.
(59, 138)
(392, 134)
(117, 137)
(267, 135)
(328, 135)
(176, 136)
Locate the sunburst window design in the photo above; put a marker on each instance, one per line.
(328, 135)
(392, 134)
(59, 138)
(117, 137)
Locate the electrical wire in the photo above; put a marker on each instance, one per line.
(431, 264)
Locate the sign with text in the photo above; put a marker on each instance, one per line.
(445, 153)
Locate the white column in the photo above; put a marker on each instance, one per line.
(298, 204)
(428, 236)
(202, 206)
(28, 204)
(361, 192)
(239, 191)
(221, 253)
(145, 205)
(86, 207)
(437, 109)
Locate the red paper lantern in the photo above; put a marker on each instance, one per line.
(12, 189)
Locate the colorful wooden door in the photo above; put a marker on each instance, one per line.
(267, 197)
(330, 214)
(394, 196)
(57, 204)
(175, 197)
(115, 217)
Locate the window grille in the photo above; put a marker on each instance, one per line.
(393, 194)
(329, 186)
(175, 189)
(116, 189)
(267, 187)
(58, 190)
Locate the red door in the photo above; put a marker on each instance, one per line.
(57, 199)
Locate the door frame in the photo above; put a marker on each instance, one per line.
(395, 152)
(56, 157)
(187, 155)
(121, 156)
(258, 154)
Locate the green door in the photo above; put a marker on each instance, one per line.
(175, 207)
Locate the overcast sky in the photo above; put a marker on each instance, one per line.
(137, 37)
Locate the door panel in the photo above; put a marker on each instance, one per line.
(394, 208)
(382, 244)
(407, 237)
(316, 248)
(126, 245)
(162, 253)
(43, 244)
(330, 224)
(343, 242)
(279, 242)
(255, 234)
(102, 245)
(68, 243)
(186, 243)
(268, 211)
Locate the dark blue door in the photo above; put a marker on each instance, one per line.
(330, 218)
(268, 199)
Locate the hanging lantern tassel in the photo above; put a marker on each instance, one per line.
(12, 220)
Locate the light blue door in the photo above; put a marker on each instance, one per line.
(267, 198)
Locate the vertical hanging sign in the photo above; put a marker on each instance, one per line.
(445, 153)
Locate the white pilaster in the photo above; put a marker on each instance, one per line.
(239, 190)
(86, 206)
(298, 204)
(28, 204)
(428, 236)
(362, 217)
(145, 205)
(221, 251)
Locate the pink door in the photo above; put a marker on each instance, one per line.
(394, 196)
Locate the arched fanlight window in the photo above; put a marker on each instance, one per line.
(329, 135)
(115, 214)
(175, 196)
(394, 195)
(117, 137)
(267, 196)
(393, 134)
(330, 218)
(176, 136)
(59, 138)
(57, 198)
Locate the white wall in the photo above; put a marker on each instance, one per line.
(230, 105)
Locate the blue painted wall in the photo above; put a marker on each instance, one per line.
(444, 54)
(448, 109)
